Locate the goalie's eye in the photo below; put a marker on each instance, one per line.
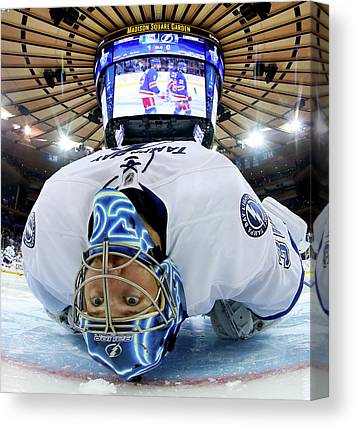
(132, 300)
(96, 301)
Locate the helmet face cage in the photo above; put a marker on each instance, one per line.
(162, 308)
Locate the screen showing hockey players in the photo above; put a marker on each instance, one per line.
(160, 85)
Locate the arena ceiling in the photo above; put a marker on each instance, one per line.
(291, 42)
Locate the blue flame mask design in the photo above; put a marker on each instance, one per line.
(129, 345)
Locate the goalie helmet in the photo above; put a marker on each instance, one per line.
(131, 344)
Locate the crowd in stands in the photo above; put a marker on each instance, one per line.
(29, 174)
(298, 203)
(11, 235)
(265, 180)
(15, 196)
(11, 200)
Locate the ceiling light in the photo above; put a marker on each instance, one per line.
(321, 127)
(259, 69)
(5, 114)
(295, 125)
(254, 139)
(69, 15)
(27, 130)
(49, 78)
(251, 10)
(66, 143)
(263, 9)
(23, 110)
(15, 126)
(271, 71)
(95, 116)
(60, 75)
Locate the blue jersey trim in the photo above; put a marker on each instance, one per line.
(319, 297)
(297, 295)
(326, 311)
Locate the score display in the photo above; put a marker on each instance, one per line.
(159, 43)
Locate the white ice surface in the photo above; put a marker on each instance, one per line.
(291, 384)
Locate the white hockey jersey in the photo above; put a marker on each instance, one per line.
(321, 249)
(9, 253)
(224, 243)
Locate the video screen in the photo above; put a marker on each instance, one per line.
(160, 85)
(104, 60)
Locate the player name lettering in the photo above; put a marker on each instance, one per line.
(152, 150)
(159, 26)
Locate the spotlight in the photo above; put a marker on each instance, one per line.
(23, 110)
(66, 143)
(56, 15)
(248, 11)
(262, 9)
(225, 116)
(27, 130)
(251, 10)
(49, 78)
(69, 15)
(95, 116)
(301, 103)
(220, 110)
(259, 69)
(60, 75)
(271, 71)
(295, 126)
(255, 139)
(320, 125)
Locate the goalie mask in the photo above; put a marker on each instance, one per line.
(129, 300)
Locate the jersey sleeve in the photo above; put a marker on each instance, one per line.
(234, 248)
(54, 238)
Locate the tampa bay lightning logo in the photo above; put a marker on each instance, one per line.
(254, 218)
(167, 38)
(29, 234)
(113, 350)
